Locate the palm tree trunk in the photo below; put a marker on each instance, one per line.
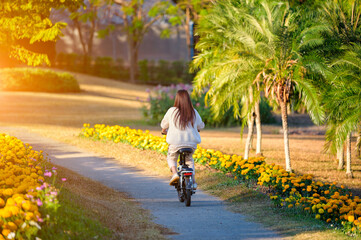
(358, 142)
(285, 135)
(251, 143)
(340, 157)
(249, 136)
(258, 128)
(348, 157)
(358, 146)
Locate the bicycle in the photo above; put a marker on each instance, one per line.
(185, 184)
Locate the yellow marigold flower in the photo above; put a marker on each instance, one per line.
(12, 226)
(6, 232)
(290, 206)
(26, 205)
(321, 211)
(351, 218)
(8, 192)
(318, 216)
(5, 213)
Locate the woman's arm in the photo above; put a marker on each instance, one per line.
(199, 123)
(165, 121)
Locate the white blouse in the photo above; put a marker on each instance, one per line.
(176, 136)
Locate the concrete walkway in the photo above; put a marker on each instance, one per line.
(207, 218)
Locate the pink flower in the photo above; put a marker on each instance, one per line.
(47, 174)
(39, 202)
(63, 179)
(198, 104)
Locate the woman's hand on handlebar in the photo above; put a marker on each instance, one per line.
(164, 131)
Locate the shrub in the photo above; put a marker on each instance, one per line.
(164, 72)
(162, 97)
(37, 80)
(102, 66)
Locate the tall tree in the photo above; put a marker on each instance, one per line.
(341, 49)
(190, 12)
(266, 41)
(225, 65)
(136, 18)
(86, 21)
(30, 20)
(344, 100)
(284, 67)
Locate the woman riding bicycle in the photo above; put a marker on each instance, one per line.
(182, 124)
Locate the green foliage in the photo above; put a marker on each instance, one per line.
(37, 80)
(164, 72)
(101, 66)
(143, 70)
(253, 44)
(33, 17)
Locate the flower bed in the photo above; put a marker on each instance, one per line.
(26, 199)
(324, 201)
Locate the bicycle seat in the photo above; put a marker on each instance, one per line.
(185, 150)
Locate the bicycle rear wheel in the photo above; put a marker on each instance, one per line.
(188, 191)
(188, 197)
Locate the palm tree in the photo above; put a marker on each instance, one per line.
(256, 40)
(344, 99)
(342, 18)
(226, 68)
(284, 68)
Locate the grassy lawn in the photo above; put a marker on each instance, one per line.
(60, 116)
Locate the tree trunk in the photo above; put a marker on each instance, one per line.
(358, 142)
(133, 61)
(348, 157)
(259, 129)
(251, 142)
(187, 30)
(285, 135)
(341, 158)
(249, 136)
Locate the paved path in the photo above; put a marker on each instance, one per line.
(207, 218)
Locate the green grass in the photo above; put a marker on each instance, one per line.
(37, 80)
(73, 221)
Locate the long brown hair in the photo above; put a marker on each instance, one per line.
(185, 113)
